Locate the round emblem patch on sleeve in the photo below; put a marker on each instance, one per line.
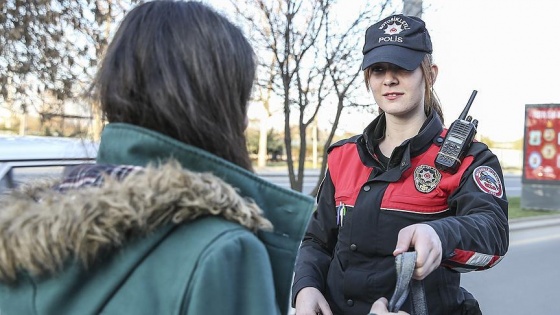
(488, 181)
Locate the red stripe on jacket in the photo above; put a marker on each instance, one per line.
(348, 173)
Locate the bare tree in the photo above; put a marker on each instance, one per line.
(315, 61)
(51, 47)
(345, 72)
(264, 96)
(413, 8)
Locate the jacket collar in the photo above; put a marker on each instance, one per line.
(374, 133)
(127, 144)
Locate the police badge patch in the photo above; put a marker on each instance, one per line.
(426, 178)
(488, 181)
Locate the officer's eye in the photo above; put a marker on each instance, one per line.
(382, 68)
(403, 69)
(378, 68)
(396, 68)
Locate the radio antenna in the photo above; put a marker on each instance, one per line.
(468, 106)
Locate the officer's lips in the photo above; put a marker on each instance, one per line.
(392, 95)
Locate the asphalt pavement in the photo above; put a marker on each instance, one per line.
(526, 280)
(534, 222)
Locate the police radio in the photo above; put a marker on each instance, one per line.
(457, 141)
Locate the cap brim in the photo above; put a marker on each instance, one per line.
(403, 57)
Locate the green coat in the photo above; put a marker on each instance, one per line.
(87, 252)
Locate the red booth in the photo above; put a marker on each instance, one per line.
(541, 157)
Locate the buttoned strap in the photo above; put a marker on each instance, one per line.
(405, 264)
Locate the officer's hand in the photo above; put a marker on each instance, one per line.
(380, 308)
(311, 301)
(427, 245)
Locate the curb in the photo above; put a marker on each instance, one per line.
(534, 222)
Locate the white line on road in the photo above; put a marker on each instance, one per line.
(534, 240)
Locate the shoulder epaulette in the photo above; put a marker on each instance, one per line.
(342, 142)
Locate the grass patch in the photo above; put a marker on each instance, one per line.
(516, 212)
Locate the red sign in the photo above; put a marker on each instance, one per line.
(541, 160)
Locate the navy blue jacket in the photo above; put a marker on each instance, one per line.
(364, 202)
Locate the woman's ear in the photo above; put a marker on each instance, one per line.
(434, 70)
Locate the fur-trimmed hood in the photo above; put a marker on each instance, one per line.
(42, 228)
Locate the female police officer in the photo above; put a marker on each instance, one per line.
(383, 194)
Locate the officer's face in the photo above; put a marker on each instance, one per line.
(397, 91)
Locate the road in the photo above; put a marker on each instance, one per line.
(512, 184)
(526, 280)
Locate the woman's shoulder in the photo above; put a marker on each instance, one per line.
(214, 231)
(212, 238)
(342, 142)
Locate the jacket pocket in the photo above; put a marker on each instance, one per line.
(414, 203)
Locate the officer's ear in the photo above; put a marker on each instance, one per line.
(433, 74)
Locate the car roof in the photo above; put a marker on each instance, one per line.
(42, 147)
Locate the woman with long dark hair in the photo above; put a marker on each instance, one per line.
(170, 219)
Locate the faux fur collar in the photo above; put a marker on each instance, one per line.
(41, 229)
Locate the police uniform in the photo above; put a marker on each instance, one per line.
(365, 200)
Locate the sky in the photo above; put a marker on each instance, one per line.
(507, 50)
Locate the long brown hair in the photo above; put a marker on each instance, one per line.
(431, 100)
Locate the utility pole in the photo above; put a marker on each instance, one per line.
(262, 152)
(97, 116)
(23, 120)
(315, 134)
